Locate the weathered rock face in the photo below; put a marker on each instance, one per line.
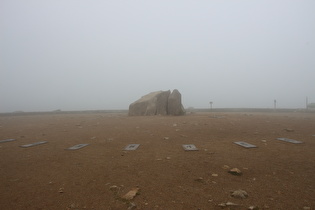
(154, 103)
(174, 105)
(158, 103)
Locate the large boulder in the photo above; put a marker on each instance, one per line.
(174, 105)
(158, 103)
(154, 103)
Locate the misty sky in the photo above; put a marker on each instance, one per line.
(88, 55)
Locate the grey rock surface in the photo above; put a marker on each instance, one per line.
(174, 105)
(158, 103)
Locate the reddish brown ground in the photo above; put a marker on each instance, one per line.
(276, 175)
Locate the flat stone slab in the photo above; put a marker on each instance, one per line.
(78, 146)
(245, 144)
(290, 140)
(6, 140)
(190, 147)
(132, 146)
(34, 144)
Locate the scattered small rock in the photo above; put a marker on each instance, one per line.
(199, 179)
(73, 205)
(131, 194)
(215, 175)
(174, 124)
(168, 158)
(235, 171)
(132, 206)
(225, 167)
(306, 208)
(60, 190)
(289, 130)
(253, 208)
(113, 188)
(166, 138)
(227, 204)
(239, 194)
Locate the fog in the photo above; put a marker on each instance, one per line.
(95, 55)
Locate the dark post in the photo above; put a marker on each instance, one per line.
(211, 105)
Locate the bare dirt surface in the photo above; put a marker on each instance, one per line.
(160, 174)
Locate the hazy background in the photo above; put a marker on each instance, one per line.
(85, 55)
